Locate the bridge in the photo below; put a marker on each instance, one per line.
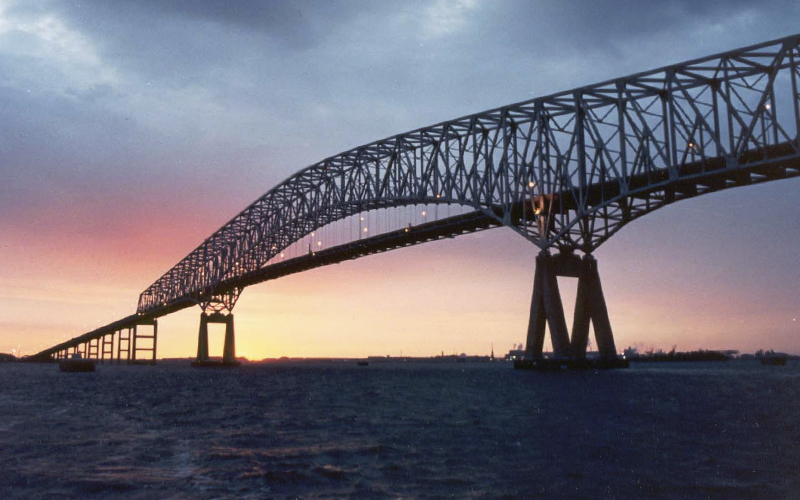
(566, 172)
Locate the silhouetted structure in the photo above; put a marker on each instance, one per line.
(565, 171)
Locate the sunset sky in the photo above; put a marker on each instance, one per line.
(131, 130)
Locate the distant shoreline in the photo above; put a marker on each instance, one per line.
(648, 357)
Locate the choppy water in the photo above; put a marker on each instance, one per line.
(726, 431)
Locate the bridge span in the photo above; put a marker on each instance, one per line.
(566, 172)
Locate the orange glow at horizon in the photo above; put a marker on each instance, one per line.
(457, 295)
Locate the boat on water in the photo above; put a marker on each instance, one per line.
(76, 363)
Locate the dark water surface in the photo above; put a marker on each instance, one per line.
(727, 431)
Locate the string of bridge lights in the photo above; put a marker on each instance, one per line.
(366, 225)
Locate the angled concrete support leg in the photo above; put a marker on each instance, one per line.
(546, 307)
(602, 325)
(537, 320)
(556, 320)
(590, 306)
(582, 317)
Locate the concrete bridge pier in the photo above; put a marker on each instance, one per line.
(229, 349)
(547, 310)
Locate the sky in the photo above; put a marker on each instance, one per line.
(130, 131)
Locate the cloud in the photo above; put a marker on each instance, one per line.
(48, 55)
(445, 17)
(243, 95)
(160, 119)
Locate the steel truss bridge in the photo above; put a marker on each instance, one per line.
(566, 172)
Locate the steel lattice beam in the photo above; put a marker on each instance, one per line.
(567, 170)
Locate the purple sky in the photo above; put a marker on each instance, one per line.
(130, 131)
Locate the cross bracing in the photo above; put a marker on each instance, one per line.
(565, 171)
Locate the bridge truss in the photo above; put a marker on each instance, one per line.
(566, 171)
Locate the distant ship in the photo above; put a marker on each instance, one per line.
(76, 364)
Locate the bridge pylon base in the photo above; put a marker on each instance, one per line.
(547, 310)
(229, 349)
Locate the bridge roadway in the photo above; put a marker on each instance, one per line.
(444, 228)
(756, 166)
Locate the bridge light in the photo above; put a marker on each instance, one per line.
(424, 213)
(312, 235)
(768, 106)
(282, 255)
(319, 243)
(362, 219)
(366, 229)
(531, 184)
(438, 195)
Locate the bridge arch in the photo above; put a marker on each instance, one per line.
(566, 171)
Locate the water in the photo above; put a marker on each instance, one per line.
(400, 430)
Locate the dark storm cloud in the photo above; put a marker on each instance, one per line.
(295, 23)
(592, 22)
(261, 89)
(164, 118)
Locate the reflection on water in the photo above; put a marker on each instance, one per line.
(336, 430)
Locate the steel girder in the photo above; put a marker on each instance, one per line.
(564, 171)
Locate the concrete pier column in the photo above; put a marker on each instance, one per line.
(229, 351)
(202, 341)
(155, 338)
(132, 357)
